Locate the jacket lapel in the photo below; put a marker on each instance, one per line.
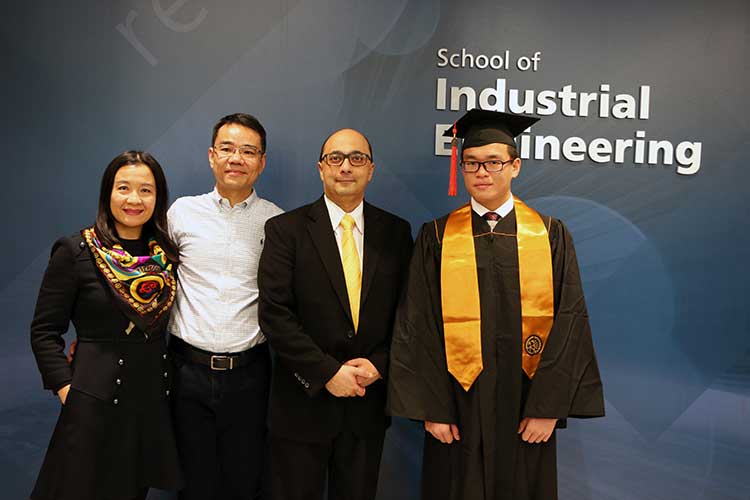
(373, 242)
(324, 240)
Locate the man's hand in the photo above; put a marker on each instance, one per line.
(536, 430)
(62, 393)
(366, 365)
(344, 383)
(445, 433)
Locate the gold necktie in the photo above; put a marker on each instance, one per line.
(350, 262)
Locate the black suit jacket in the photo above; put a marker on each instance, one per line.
(304, 311)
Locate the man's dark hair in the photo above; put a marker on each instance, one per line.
(245, 120)
(322, 146)
(156, 226)
(512, 152)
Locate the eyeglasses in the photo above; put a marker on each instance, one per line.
(336, 158)
(247, 153)
(489, 165)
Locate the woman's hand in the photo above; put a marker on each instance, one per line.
(63, 393)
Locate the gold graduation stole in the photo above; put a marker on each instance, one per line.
(460, 292)
(535, 280)
(459, 287)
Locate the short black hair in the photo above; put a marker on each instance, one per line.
(512, 151)
(245, 120)
(322, 146)
(156, 226)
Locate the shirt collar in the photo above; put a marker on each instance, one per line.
(224, 203)
(502, 210)
(336, 213)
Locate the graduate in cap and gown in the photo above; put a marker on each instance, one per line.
(492, 347)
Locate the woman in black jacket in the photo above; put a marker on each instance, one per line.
(115, 281)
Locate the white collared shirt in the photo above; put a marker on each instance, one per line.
(336, 213)
(216, 307)
(502, 210)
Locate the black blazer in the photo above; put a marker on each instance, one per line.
(304, 312)
(73, 290)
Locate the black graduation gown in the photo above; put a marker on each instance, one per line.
(491, 461)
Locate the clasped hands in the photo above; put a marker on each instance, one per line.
(532, 430)
(352, 378)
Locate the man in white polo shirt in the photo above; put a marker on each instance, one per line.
(222, 363)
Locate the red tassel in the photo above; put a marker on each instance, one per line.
(453, 182)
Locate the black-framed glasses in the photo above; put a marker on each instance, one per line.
(336, 158)
(247, 153)
(471, 166)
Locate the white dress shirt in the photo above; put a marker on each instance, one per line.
(216, 308)
(336, 213)
(502, 210)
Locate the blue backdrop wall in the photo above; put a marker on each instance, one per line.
(659, 226)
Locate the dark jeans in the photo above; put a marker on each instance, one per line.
(220, 423)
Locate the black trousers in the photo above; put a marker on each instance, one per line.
(220, 425)
(298, 470)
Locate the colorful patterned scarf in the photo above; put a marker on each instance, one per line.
(144, 286)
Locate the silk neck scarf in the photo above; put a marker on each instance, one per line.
(143, 286)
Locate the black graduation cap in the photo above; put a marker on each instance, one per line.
(479, 127)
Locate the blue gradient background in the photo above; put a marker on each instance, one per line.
(662, 256)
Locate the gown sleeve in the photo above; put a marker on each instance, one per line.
(567, 381)
(419, 385)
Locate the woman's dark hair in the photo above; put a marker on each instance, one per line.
(156, 226)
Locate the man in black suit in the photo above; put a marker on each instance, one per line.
(330, 276)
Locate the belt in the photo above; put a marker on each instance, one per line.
(215, 361)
